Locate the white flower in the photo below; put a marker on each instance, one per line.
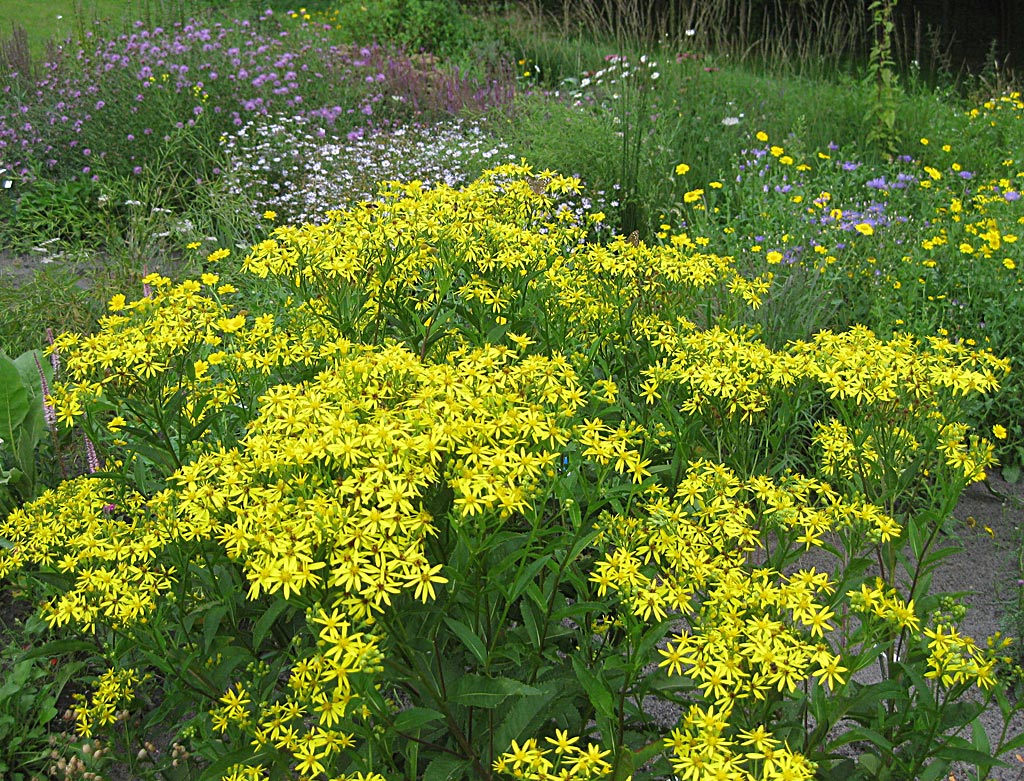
(730, 121)
(690, 33)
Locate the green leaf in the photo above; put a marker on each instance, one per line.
(211, 625)
(531, 622)
(600, 696)
(979, 737)
(964, 754)
(228, 660)
(14, 400)
(526, 576)
(527, 715)
(1013, 744)
(266, 621)
(59, 648)
(933, 772)
(469, 639)
(446, 768)
(873, 737)
(488, 693)
(414, 718)
(29, 370)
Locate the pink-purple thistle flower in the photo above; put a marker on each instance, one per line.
(49, 413)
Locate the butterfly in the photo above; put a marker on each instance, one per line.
(538, 185)
(634, 238)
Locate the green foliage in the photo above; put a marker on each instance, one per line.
(474, 481)
(455, 486)
(436, 26)
(881, 116)
(37, 674)
(23, 427)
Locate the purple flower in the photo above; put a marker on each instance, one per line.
(1011, 195)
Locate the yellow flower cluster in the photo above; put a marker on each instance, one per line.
(497, 253)
(108, 540)
(306, 722)
(114, 691)
(702, 748)
(564, 759)
(991, 109)
(397, 401)
(754, 631)
(333, 472)
(957, 659)
(199, 351)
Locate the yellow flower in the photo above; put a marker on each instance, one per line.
(864, 229)
(270, 214)
(692, 196)
(999, 432)
(1009, 264)
(681, 169)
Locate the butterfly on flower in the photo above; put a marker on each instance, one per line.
(538, 185)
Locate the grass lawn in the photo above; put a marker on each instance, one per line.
(59, 19)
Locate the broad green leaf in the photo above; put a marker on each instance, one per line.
(14, 401)
(29, 370)
(526, 576)
(482, 692)
(266, 621)
(964, 754)
(469, 639)
(414, 718)
(979, 737)
(600, 696)
(527, 715)
(211, 625)
(873, 737)
(531, 622)
(446, 768)
(933, 772)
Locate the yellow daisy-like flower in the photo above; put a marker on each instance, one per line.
(681, 169)
(999, 432)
